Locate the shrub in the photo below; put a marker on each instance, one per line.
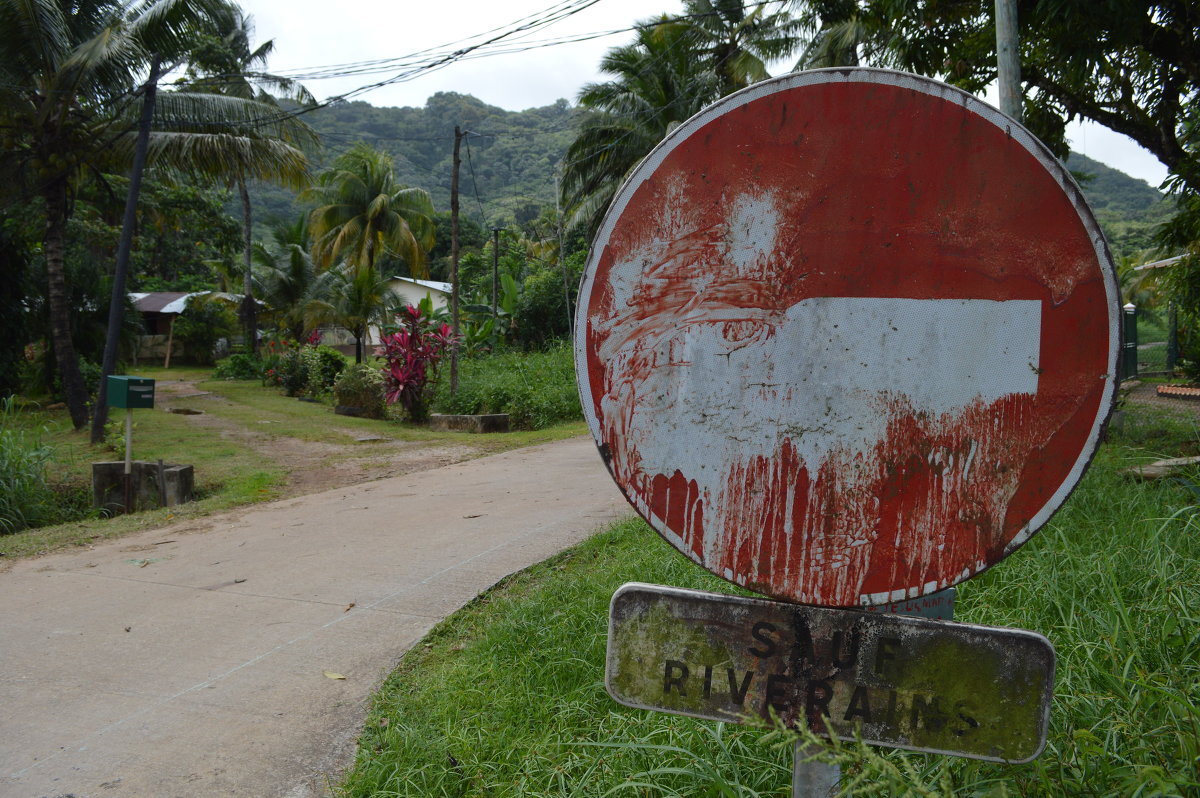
(240, 366)
(360, 386)
(25, 498)
(292, 372)
(323, 364)
(411, 356)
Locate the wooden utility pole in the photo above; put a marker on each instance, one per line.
(1008, 58)
(116, 306)
(495, 277)
(455, 163)
(562, 253)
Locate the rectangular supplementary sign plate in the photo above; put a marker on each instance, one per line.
(898, 681)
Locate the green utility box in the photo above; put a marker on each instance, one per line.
(130, 392)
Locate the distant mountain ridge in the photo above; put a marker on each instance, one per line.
(1127, 209)
(510, 159)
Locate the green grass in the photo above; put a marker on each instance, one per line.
(231, 471)
(505, 698)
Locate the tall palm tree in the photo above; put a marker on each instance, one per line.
(69, 80)
(657, 83)
(285, 277)
(224, 62)
(735, 39)
(363, 213)
(837, 33)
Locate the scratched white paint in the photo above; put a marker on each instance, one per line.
(820, 376)
(816, 374)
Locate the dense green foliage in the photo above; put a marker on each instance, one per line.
(25, 497)
(536, 389)
(361, 386)
(204, 321)
(508, 162)
(506, 696)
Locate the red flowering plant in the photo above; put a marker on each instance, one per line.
(412, 355)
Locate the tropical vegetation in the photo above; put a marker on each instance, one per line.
(70, 83)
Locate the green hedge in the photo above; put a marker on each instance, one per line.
(536, 389)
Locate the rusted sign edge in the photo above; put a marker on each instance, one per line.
(896, 621)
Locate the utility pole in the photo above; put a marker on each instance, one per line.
(455, 163)
(1008, 58)
(495, 276)
(562, 253)
(116, 306)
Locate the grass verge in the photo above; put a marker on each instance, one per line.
(505, 698)
(232, 470)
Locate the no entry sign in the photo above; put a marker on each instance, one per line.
(848, 337)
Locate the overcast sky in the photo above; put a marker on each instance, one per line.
(311, 36)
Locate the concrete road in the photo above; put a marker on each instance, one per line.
(190, 661)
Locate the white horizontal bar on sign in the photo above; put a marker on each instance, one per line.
(823, 373)
(940, 353)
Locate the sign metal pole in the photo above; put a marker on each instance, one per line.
(810, 778)
(128, 459)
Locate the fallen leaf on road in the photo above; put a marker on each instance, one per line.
(349, 607)
(480, 515)
(238, 581)
(333, 675)
(144, 563)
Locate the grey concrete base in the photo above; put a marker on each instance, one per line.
(175, 485)
(494, 422)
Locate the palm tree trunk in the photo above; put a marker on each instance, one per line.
(116, 306)
(249, 306)
(54, 247)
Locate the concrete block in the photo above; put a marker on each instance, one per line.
(175, 485)
(494, 422)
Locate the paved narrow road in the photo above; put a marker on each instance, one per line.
(186, 662)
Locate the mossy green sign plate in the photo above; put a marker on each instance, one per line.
(897, 681)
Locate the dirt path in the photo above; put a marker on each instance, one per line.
(313, 465)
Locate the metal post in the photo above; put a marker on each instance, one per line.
(1172, 339)
(1008, 58)
(1129, 345)
(812, 779)
(128, 459)
(455, 163)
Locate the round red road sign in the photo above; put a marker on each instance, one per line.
(848, 336)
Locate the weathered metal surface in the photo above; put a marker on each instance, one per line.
(898, 681)
(848, 337)
(938, 606)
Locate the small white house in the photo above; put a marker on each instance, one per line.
(411, 291)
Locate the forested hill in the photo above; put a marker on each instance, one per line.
(1127, 209)
(508, 161)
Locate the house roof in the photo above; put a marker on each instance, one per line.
(1158, 264)
(173, 302)
(432, 285)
